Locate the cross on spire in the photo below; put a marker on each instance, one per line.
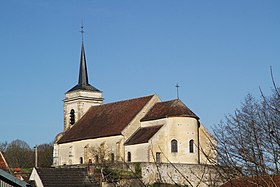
(82, 31)
(177, 87)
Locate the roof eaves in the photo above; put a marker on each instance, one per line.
(127, 141)
(151, 119)
(88, 138)
(12, 179)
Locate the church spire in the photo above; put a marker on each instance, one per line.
(81, 97)
(83, 83)
(83, 76)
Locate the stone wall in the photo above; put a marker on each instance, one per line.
(150, 173)
(175, 174)
(182, 174)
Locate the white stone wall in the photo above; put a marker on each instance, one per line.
(139, 152)
(208, 146)
(182, 129)
(70, 153)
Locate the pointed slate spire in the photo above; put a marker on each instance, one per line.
(83, 83)
(83, 77)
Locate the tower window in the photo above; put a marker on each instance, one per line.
(112, 157)
(129, 156)
(81, 160)
(71, 151)
(96, 159)
(158, 157)
(191, 148)
(72, 116)
(174, 146)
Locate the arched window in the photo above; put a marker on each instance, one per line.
(158, 157)
(96, 159)
(129, 156)
(72, 117)
(81, 160)
(191, 148)
(112, 157)
(174, 146)
(71, 151)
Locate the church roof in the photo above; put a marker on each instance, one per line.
(83, 83)
(58, 177)
(172, 108)
(143, 135)
(105, 120)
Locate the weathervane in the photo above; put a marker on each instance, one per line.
(177, 86)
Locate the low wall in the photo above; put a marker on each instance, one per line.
(150, 173)
(182, 174)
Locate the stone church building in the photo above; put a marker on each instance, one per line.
(143, 129)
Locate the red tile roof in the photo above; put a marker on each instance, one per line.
(254, 181)
(143, 135)
(3, 163)
(105, 120)
(173, 108)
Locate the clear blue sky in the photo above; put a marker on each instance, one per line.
(218, 51)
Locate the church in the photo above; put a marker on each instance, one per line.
(143, 129)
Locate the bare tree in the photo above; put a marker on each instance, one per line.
(45, 156)
(101, 154)
(249, 139)
(19, 154)
(3, 146)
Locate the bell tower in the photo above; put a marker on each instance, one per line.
(82, 96)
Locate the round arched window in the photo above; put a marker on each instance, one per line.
(72, 117)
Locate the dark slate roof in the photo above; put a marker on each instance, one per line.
(143, 135)
(173, 108)
(87, 87)
(12, 180)
(83, 83)
(61, 177)
(105, 120)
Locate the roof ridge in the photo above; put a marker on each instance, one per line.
(150, 126)
(124, 100)
(170, 108)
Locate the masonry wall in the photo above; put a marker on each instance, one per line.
(208, 147)
(72, 153)
(139, 152)
(181, 129)
(198, 175)
(183, 174)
